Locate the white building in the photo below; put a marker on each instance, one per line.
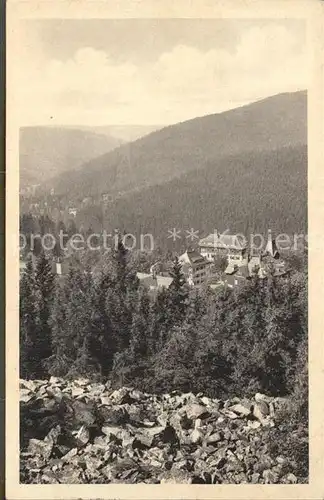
(231, 246)
(194, 267)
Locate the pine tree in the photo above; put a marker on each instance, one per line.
(74, 328)
(71, 228)
(27, 228)
(120, 265)
(178, 293)
(121, 297)
(101, 343)
(246, 335)
(79, 320)
(44, 286)
(61, 231)
(131, 364)
(84, 364)
(28, 322)
(63, 353)
(57, 250)
(161, 321)
(139, 341)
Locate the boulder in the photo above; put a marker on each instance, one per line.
(25, 395)
(81, 382)
(29, 385)
(82, 436)
(195, 411)
(110, 431)
(196, 436)
(70, 454)
(180, 420)
(40, 448)
(105, 400)
(78, 432)
(262, 398)
(175, 476)
(69, 475)
(270, 476)
(113, 415)
(121, 396)
(259, 413)
(241, 410)
(213, 438)
(263, 408)
(124, 468)
(77, 391)
(83, 413)
(290, 478)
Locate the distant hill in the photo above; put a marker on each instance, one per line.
(250, 192)
(48, 151)
(270, 124)
(127, 133)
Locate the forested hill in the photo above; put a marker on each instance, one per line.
(161, 156)
(248, 192)
(48, 151)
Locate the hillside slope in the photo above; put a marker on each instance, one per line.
(48, 151)
(126, 133)
(253, 191)
(269, 124)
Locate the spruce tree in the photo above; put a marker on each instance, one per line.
(44, 286)
(139, 341)
(161, 321)
(178, 293)
(79, 314)
(101, 343)
(131, 363)
(120, 265)
(121, 298)
(63, 353)
(71, 228)
(28, 322)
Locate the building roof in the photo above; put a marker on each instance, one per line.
(231, 268)
(164, 281)
(233, 279)
(230, 241)
(192, 257)
(142, 276)
(154, 282)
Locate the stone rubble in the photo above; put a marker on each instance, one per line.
(78, 432)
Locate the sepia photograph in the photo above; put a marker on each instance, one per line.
(163, 250)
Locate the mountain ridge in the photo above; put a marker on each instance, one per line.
(158, 157)
(45, 151)
(267, 189)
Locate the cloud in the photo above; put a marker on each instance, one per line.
(93, 88)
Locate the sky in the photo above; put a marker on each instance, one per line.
(147, 72)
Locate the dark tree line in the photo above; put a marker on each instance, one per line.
(108, 326)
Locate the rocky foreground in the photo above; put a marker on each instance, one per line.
(77, 432)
